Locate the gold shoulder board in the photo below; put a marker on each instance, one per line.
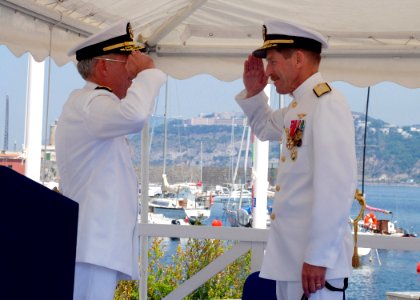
(321, 89)
(101, 87)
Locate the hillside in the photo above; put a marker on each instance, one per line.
(392, 153)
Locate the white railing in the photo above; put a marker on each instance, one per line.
(247, 239)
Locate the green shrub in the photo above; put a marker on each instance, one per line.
(164, 277)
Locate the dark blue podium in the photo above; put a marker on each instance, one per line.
(38, 231)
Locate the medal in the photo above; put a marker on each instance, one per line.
(293, 126)
(294, 136)
(293, 154)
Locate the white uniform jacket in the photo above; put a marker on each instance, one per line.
(316, 190)
(96, 170)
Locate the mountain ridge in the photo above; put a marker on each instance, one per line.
(392, 154)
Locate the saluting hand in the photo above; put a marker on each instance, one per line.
(138, 62)
(254, 76)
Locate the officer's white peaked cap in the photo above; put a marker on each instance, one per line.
(281, 34)
(117, 38)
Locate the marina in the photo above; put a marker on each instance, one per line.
(390, 267)
(393, 270)
(208, 40)
(389, 270)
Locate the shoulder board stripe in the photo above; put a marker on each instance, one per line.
(321, 89)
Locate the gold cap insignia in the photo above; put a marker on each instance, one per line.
(130, 31)
(264, 32)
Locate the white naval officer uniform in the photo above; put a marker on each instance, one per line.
(315, 191)
(96, 171)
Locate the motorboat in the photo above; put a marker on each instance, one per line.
(184, 198)
(234, 196)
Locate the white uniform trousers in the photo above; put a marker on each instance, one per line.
(92, 282)
(292, 290)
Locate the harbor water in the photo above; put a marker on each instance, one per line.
(382, 270)
(389, 270)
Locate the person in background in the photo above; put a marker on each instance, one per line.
(94, 159)
(309, 248)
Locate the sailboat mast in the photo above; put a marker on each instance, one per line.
(232, 148)
(165, 127)
(201, 161)
(239, 156)
(248, 141)
(6, 126)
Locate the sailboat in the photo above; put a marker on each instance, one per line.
(384, 226)
(203, 201)
(179, 199)
(236, 214)
(369, 223)
(238, 203)
(194, 202)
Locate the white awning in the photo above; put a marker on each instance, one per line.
(370, 41)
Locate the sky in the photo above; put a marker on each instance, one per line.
(389, 102)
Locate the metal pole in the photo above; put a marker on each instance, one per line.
(144, 210)
(33, 130)
(259, 209)
(364, 141)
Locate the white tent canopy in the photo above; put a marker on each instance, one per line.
(370, 41)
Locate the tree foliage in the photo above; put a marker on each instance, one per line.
(391, 151)
(165, 276)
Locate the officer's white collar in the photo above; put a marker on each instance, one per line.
(306, 86)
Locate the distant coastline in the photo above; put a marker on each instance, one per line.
(373, 183)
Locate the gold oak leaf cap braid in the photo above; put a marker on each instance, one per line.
(118, 38)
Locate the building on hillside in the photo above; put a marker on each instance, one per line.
(220, 118)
